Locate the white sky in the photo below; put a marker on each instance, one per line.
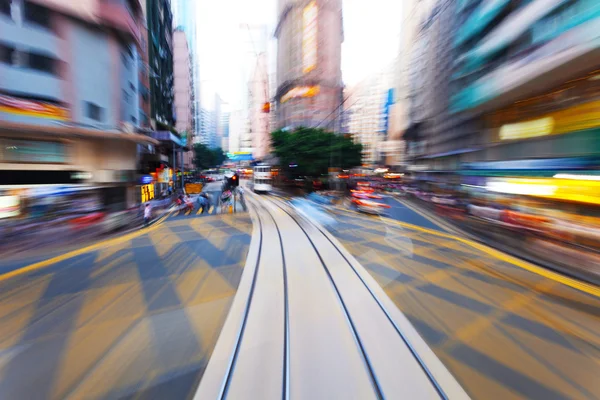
(371, 29)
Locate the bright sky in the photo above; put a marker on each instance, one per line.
(371, 43)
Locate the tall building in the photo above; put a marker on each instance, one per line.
(184, 18)
(69, 100)
(309, 79)
(258, 92)
(224, 127)
(429, 75)
(522, 85)
(207, 127)
(412, 11)
(160, 60)
(236, 128)
(184, 97)
(367, 109)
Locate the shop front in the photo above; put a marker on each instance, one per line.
(50, 172)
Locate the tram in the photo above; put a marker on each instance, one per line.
(262, 179)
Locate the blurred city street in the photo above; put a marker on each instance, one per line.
(299, 199)
(138, 315)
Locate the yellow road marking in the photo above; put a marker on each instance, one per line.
(199, 210)
(210, 210)
(565, 280)
(188, 212)
(83, 250)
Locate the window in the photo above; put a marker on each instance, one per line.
(126, 97)
(33, 151)
(6, 54)
(41, 63)
(5, 7)
(37, 15)
(94, 111)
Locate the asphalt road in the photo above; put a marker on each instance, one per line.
(504, 328)
(135, 317)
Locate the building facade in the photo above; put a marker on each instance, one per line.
(184, 95)
(522, 85)
(367, 107)
(309, 79)
(184, 18)
(69, 100)
(258, 112)
(159, 20)
(526, 76)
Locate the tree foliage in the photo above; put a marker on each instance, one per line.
(206, 157)
(314, 150)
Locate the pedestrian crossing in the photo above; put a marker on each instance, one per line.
(201, 211)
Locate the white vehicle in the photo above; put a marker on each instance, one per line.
(262, 179)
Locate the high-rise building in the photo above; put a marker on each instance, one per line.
(258, 92)
(160, 62)
(207, 128)
(184, 98)
(69, 102)
(236, 128)
(504, 82)
(367, 107)
(400, 110)
(184, 18)
(309, 80)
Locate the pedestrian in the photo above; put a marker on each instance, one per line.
(204, 202)
(147, 214)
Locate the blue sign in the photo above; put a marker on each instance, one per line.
(146, 179)
(389, 102)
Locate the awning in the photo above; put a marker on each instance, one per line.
(452, 153)
(481, 17)
(73, 131)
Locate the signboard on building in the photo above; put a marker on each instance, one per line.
(163, 175)
(301, 91)
(32, 108)
(147, 192)
(309, 37)
(9, 206)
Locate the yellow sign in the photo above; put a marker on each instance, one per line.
(193, 188)
(147, 193)
(581, 191)
(577, 118)
(528, 129)
(301, 91)
(309, 37)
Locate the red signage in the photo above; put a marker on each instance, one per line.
(33, 108)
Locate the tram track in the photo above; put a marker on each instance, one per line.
(301, 348)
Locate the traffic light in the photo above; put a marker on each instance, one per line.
(233, 181)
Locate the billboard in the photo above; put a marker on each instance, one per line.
(389, 102)
(301, 91)
(309, 37)
(32, 108)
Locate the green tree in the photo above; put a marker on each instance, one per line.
(206, 157)
(218, 156)
(313, 150)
